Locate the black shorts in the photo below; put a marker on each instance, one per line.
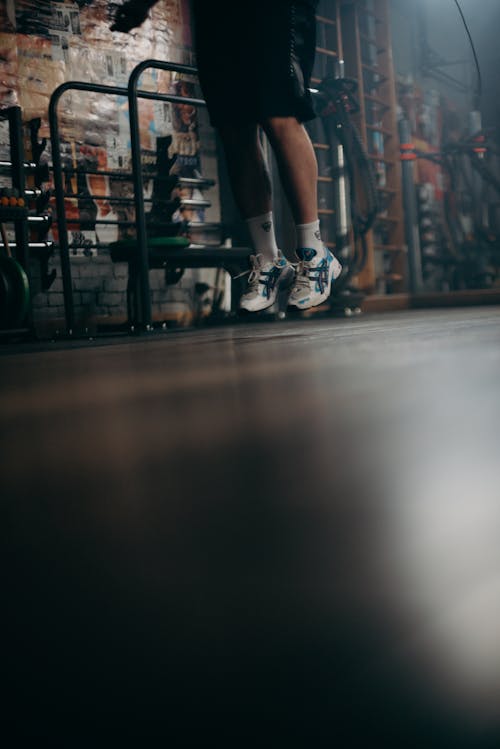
(255, 58)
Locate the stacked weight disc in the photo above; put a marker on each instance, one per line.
(14, 284)
(12, 204)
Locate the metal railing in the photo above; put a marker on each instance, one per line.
(62, 224)
(144, 296)
(140, 260)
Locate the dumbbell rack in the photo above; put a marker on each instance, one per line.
(25, 220)
(40, 221)
(18, 216)
(141, 257)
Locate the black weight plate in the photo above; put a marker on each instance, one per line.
(19, 297)
(5, 292)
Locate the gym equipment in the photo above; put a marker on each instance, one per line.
(14, 288)
(15, 298)
(142, 254)
(351, 161)
(469, 259)
(354, 179)
(10, 198)
(411, 211)
(142, 295)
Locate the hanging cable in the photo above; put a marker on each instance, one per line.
(479, 88)
(338, 105)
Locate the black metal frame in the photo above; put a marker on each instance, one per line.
(17, 166)
(143, 295)
(18, 178)
(69, 308)
(138, 290)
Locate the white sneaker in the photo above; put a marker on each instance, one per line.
(313, 282)
(265, 281)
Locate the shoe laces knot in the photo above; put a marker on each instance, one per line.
(307, 274)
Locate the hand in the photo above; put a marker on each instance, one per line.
(129, 16)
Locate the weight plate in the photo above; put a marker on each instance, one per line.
(5, 293)
(19, 296)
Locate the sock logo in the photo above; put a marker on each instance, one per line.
(317, 234)
(267, 226)
(306, 253)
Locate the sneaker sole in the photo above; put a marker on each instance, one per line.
(335, 271)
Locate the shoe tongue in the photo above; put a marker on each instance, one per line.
(306, 253)
(262, 262)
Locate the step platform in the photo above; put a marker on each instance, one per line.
(174, 254)
(179, 252)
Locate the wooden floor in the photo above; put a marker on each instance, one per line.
(281, 533)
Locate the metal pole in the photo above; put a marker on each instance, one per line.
(62, 227)
(19, 181)
(408, 158)
(69, 310)
(142, 260)
(341, 186)
(480, 206)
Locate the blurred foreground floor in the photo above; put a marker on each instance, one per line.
(281, 534)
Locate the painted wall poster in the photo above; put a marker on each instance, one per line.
(47, 42)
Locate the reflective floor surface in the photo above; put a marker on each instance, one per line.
(281, 534)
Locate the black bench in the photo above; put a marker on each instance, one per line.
(176, 253)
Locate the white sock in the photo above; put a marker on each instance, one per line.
(309, 238)
(261, 230)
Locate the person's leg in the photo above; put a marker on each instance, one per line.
(247, 168)
(250, 184)
(251, 187)
(298, 169)
(297, 165)
(299, 175)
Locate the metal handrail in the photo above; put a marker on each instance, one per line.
(69, 308)
(135, 141)
(133, 95)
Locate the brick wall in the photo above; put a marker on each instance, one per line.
(45, 44)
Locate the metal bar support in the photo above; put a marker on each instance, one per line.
(21, 245)
(410, 209)
(18, 181)
(141, 269)
(69, 309)
(141, 261)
